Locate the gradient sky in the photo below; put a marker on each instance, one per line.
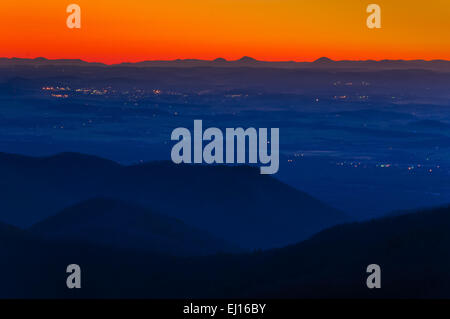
(302, 30)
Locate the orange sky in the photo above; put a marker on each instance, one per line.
(302, 30)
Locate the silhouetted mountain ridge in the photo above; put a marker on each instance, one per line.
(236, 204)
(323, 62)
(124, 225)
(412, 251)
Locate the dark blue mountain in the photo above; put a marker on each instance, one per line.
(235, 204)
(127, 226)
(412, 251)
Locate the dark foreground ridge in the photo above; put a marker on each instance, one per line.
(411, 249)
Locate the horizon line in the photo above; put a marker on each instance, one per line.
(245, 59)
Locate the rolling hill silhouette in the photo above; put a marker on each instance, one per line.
(246, 59)
(127, 226)
(235, 204)
(9, 232)
(412, 251)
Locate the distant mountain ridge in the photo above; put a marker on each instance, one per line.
(320, 63)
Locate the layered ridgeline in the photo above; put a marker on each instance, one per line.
(235, 204)
(411, 249)
(127, 226)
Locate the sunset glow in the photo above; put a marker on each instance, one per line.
(116, 31)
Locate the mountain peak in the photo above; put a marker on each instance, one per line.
(103, 221)
(323, 60)
(219, 60)
(247, 59)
